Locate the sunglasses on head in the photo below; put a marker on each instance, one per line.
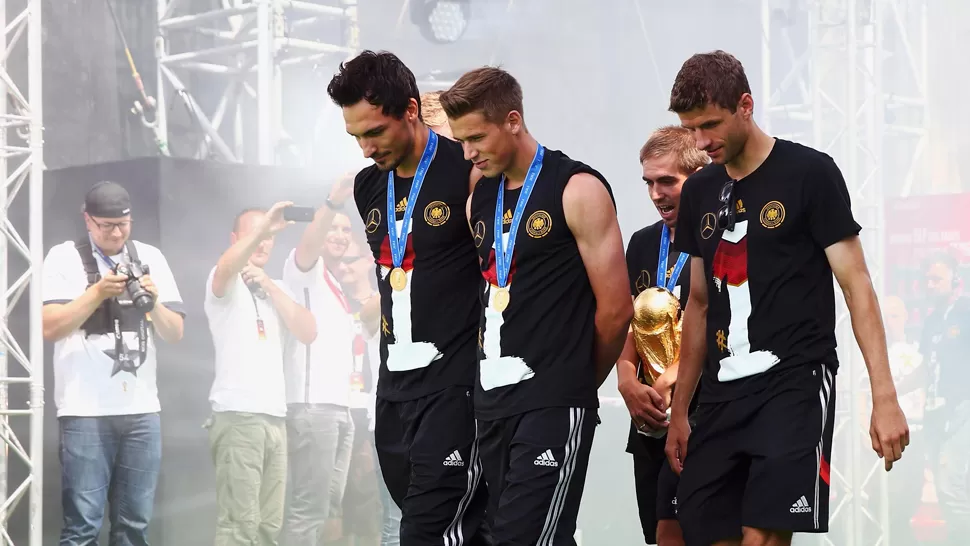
(726, 215)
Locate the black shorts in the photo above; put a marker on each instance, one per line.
(762, 460)
(656, 488)
(535, 464)
(429, 459)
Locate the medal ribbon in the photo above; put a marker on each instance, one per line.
(662, 263)
(337, 292)
(503, 252)
(398, 240)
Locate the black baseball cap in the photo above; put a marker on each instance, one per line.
(107, 200)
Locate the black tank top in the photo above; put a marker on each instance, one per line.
(428, 329)
(538, 352)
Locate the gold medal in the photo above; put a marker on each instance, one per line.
(399, 279)
(501, 300)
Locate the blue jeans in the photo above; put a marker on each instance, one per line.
(391, 526)
(104, 459)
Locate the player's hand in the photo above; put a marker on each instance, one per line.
(273, 222)
(255, 275)
(111, 286)
(888, 430)
(664, 385)
(677, 434)
(343, 190)
(646, 406)
(149, 285)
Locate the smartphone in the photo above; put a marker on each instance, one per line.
(299, 214)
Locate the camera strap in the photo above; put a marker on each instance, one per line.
(121, 351)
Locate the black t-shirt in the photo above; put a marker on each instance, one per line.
(771, 296)
(428, 329)
(945, 344)
(642, 254)
(538, 353)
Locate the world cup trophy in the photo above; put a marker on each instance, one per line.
(656, 331)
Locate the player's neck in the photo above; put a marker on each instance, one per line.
(525, 151)
(409, 165)
(756, 150)
(673, 231)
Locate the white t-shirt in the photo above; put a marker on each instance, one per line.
(326, 379)
(249, 367)
(83, 382)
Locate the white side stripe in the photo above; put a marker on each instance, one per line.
(558, 503)
(824, 392)
(454, 533)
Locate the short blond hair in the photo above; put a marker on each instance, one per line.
(678, 141)
(431, 111)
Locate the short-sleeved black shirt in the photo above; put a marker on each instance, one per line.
(771, 295)
(428, 330)
(642, 254)
(945, 344)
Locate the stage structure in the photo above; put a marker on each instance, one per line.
(253, 37)
(21, 164)
(849, 77)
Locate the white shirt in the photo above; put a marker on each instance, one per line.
(249, 367)
(325, 378)
(83, 384)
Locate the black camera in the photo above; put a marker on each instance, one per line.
(141, 299)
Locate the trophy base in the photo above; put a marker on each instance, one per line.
(658, 433)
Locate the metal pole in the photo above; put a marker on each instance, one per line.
(161, 48)
(4, 265)
(766, 87)
(264, 86)
(35, 42)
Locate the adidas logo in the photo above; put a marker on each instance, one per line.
(507, 217)
(800, 507)
(402, 205)
(546, 459)
(454, 459)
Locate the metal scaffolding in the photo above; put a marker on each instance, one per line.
(259, 37)
(21, 161)
(848, 77)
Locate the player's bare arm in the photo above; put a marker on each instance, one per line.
(888, 430)
(646, 406)
(591, 217)
(693, 351)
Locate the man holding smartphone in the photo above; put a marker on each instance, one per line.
(250, 317)
(321, 377)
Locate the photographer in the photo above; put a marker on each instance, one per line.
(250, 317)
(102, 310)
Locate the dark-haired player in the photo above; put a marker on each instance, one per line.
(555, 310)
(766, 225)
(411, 201)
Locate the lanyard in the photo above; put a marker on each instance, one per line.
(662, 281)
(398, 239)
(504, 252)
(337, 292)
(122, 360)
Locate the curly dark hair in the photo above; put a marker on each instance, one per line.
(709, 78)
(380, 78)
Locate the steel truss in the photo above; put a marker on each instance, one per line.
(849, 77)
(251, 37)
(21, 161)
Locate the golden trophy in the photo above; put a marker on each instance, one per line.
(656, 330)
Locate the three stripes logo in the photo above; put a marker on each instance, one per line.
(800, 507)
(454, 459)
(546, 459)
